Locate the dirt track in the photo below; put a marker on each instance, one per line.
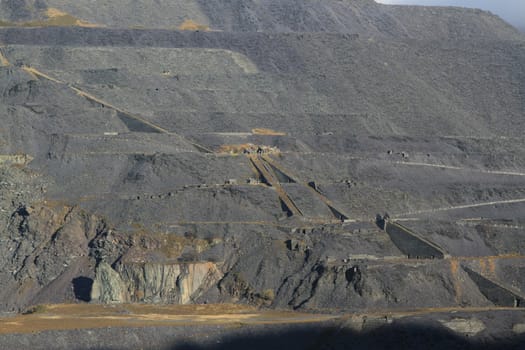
(84, 316)
(89, 316)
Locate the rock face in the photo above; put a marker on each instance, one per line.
(240, 151)
(164, 283)
(108, 286)
(45, 249)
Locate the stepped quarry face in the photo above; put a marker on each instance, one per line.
(179, 161)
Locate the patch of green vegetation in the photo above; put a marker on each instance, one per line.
(36, 309)
(268, 294)
(7, 24)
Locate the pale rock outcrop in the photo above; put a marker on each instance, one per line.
(168, 283)
(108, 286)
(470, 326)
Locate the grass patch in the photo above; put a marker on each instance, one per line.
(36, 309)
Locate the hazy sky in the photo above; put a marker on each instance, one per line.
(513, 11)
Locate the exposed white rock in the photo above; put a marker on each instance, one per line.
(470, 326)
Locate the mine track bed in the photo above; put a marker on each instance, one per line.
(86, 316)
(92, 316)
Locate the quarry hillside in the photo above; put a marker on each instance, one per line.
(312, 156)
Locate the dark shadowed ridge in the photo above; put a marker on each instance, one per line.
(394, 336)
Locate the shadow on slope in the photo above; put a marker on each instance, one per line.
(430, 336)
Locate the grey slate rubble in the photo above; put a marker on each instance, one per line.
(140, 182)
